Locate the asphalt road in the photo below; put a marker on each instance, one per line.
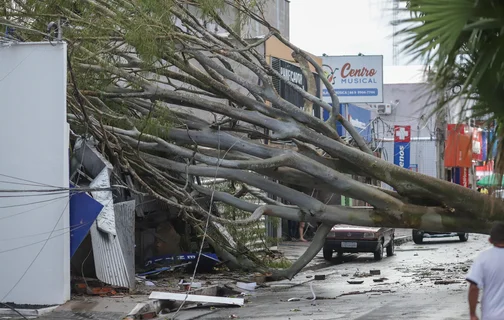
(410, 291)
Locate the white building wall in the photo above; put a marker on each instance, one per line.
(423, 155)
(34, 227)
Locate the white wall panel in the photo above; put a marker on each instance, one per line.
(34, 227)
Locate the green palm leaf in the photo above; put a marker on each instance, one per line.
(462, 41)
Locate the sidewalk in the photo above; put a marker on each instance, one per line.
(95, 308)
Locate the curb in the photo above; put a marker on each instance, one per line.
(26, 312)
(401, 240)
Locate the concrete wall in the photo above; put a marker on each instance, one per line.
(276, 13)
(34, 227)
(411, 105)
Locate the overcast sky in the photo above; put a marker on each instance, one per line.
(343, 27)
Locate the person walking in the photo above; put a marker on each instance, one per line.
(486, 274)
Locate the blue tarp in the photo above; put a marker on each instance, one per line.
(83, 212)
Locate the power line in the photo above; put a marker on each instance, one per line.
(26, 180)
(29, 210)
(31, 203)
(70, 228)
(47, 239)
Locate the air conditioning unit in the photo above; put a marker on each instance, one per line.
(383, 108)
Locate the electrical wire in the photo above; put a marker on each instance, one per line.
(26, 180)
(31, 203)
(30, 210)
(20, 183)
(73, 190)
(49, 238)
(70, 228)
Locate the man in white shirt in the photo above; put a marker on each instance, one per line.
(487, 274)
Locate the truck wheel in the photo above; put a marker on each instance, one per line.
(391, 248)
(378, 254)
(327, 252)
(463, 237)
(417, 236)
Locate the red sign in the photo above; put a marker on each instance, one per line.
(402, 133)
(457, 127)
(464, 177)
(458, 147)
(347, 71)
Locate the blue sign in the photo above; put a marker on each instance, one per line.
(339, 127)
(359, 117)
(484, 145)
(402, 154)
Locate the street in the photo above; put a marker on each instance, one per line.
(409, 292)
(421, 282)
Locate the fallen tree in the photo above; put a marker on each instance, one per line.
(138, 68)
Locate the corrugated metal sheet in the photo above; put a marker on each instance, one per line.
(125, 226)
(113, 242)
(114, 255)
(422, 153)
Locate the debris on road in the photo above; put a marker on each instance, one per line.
(196, 298)
(438, 269)
(364, 292)
(374, 272)
(247, 286)
(445, 282)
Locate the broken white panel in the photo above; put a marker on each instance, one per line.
(114, 255)
(196, 298)
(106, 219)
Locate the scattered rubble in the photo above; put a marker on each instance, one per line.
(445, 282)
(374, 272)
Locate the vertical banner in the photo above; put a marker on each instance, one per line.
(457, 175)
(402, 138)
(464, 177)
(461, 176)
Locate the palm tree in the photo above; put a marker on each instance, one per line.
(463, 43)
